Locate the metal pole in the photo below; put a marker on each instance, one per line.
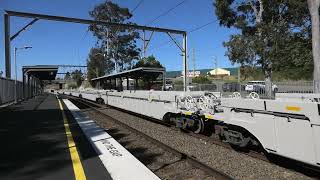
(239, 74)
(127, 83)
(185, 69)
(28, 87)
(15, 75)
(107, 42)
(144, 43)
(7, 45)
(194, 61)
(87, 21)
(164, 81)
(23, 85)
(136, 84)
(216, 65)
(34, 86)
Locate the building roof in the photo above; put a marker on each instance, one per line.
(132, 73)
(219, 71)
(42, 72)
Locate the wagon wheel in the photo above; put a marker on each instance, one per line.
(254, 95)
(236, 95)
(200, 127)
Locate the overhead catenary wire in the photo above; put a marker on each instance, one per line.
(202, 26)
(80, 42)
(189, 32)
(137, 6)
(166, 12)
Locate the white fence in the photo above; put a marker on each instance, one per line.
(7, 90)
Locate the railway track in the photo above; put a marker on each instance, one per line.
(172, 164)
(259, 154)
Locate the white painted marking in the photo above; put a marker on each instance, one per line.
(119, 162)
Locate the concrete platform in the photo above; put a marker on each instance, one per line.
(35, 143)
(121, 164)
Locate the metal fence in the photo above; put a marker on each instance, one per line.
(7, 90)
(246, 89)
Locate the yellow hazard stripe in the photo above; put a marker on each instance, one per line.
(293, 108)
(76, 162)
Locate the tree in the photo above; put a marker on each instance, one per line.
(268, 28)
(119, 42)
(201, 80)
(77, 76)
(149, 61)
(98, 64)
(67, 76)
(313, 6)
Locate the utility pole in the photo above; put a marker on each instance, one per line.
(144, 44)
(216, 65)
(107, 42)
(194, 61)
(185, 63)
(239, 73)
(15, 71)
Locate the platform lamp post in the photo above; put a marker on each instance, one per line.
(15, 70)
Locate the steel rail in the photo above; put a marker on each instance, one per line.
(250, 153)
(296, 166)
(183, 156)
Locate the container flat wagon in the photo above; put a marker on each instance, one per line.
(288, 126)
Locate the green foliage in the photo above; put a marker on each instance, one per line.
(119, 42)
(67, 76)
(77, 76)
(277, 41)
(71, 86)
(179, 82)
(201, 80)
(97, 64)
(150, 61)
(255, 73)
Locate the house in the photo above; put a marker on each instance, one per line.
(219, 72)
(192, 74)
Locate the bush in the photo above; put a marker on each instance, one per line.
(201, 80)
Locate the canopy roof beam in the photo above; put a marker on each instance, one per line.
(85, 21)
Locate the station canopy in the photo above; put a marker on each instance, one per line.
(42, 72)
(132, 73)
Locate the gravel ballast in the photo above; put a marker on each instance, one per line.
(163, 163)
(237, 165)
(228, 161)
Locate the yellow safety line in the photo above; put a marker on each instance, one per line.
(293, 108)
(76, 162)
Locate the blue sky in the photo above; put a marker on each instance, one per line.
(68, 43)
